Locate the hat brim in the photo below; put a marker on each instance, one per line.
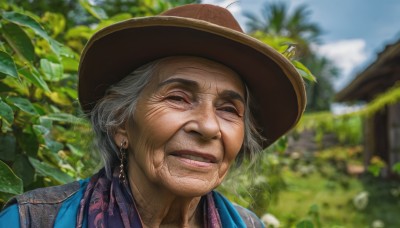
(112, 53)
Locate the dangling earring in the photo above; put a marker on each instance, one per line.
(122, 158)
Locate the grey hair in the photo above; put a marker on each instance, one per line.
(114, 109)
(119, 103)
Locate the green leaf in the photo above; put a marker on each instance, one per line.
(45, 122)
(41, 130)
(23, 104)
(374, 169)
(53, 146)
(19, 41)
(281, 144)
(70, 91)
(55, 46)
(7, 65)
(65, 117)
(28, 142)
(95, 11)
(314, 209)
(70, 64)
(75, 150)
(9, 182)
(305, 224)
(79, 31)
(47, 170)
(59, 97)
(2, 76)
(5, 88)
(396, 168)
(67, 52)
(25, 20)
(41, 108)
(7, 147)
(53, 71)
(55, 21)
(24, 169)
(35, 78)
(304, 71)
(6, 112)
(5, 197)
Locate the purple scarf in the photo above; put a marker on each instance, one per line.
(109, 203)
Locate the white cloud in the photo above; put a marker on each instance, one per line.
(345, 54)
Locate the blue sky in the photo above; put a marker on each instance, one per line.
(354, 30)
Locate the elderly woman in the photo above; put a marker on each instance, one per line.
(169, 98)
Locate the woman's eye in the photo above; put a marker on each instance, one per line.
(176, 98)
(229, 109)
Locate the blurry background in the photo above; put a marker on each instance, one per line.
(339, 167)
(352, 32)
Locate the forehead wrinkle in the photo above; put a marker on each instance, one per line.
(198, 70)
(186, 82)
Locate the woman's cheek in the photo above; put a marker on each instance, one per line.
(233, 136)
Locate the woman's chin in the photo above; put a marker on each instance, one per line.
(191, 179)
(190, 186)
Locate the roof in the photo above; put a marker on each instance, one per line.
(382, 74)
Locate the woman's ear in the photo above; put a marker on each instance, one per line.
(121, 138)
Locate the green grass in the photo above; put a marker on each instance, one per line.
(333, 195)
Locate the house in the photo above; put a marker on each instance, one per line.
(381, 131)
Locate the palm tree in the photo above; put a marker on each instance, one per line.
(276, 21)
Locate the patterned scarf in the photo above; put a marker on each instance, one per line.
(109, 203)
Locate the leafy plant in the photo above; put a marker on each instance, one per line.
(37, 102)
(287, 47)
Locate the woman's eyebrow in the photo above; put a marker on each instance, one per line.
(232, 95)
(186, 82)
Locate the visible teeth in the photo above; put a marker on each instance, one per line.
(196, 158)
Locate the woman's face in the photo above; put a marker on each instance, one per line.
(188, 126)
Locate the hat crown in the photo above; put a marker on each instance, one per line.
(206, 12)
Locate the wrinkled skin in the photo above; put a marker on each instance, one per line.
(186, 131)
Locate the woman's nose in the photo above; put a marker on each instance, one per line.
(204, 123)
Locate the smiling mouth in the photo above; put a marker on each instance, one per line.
(195, 157)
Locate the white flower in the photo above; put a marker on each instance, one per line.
(360, 201)
(378, 224)
(270, 220)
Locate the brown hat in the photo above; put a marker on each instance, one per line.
(201, 30)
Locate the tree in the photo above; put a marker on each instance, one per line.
(320, 94)
(301, 33)
(277, 21)
(71, 10)
(140, 7)
(76, 12)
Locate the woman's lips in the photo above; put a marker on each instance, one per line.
(195, 156)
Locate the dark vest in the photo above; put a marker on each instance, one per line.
(39, 208)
